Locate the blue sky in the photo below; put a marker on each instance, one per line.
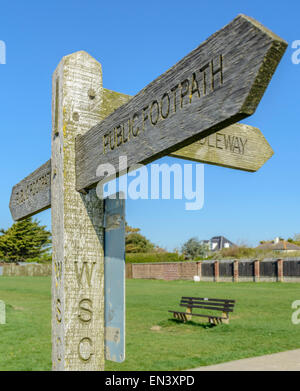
(136, 42)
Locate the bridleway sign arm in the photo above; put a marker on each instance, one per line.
(238, 146)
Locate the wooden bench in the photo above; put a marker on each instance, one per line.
(223, 305)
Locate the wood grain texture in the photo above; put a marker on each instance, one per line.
(33, 194)
(238, 146)
(77, 222)
(214, 86)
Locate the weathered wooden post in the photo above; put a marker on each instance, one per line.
(77, 222)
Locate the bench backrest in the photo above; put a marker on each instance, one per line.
(223, 305)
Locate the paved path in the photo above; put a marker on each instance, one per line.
(284, 361)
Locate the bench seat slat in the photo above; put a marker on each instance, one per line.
(192, 302)
(208, 299)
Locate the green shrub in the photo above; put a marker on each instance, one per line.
(44, 258)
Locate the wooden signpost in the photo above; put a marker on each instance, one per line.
(187, 112)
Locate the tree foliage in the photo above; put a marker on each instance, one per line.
(193, 248)
(135, 242)
(24, 240)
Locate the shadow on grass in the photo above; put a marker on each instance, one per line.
(174, 322)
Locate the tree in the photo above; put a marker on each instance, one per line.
(24, 240)
(193, 248)
(135, 242)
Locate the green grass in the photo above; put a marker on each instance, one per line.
(25, 342)
(261, 324)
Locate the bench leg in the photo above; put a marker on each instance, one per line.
(189, 311)
(179, 316)
(213, 321)
(226, 321)
(183, 317)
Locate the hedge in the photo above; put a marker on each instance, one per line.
(153, 257)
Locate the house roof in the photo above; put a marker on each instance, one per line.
(280, 246)
(220, 240)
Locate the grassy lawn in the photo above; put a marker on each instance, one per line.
(260, 324)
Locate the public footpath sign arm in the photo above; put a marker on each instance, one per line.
(214, 86)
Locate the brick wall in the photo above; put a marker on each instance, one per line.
(221, 270)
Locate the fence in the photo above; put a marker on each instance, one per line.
(287, 270)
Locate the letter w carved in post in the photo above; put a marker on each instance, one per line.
(87, 269)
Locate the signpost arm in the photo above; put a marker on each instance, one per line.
(77, 222)
(238, 146)
(214, 86)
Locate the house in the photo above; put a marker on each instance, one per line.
(217, 243)
(279, 245)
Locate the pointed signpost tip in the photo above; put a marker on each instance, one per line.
(263, 28)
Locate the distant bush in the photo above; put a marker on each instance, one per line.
(153, 257)
(243, 252)
(193, 249)
(238, 252)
